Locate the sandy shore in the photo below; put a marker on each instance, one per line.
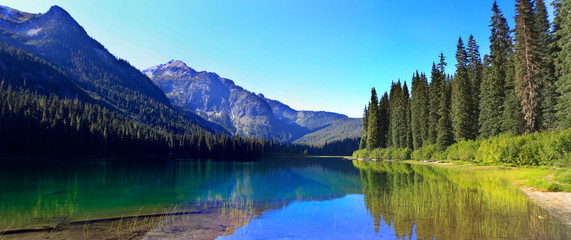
(557, 203)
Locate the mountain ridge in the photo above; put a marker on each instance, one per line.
(238, 110)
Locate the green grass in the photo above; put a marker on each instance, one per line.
(543, 178)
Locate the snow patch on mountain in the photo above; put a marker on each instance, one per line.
(33, 32)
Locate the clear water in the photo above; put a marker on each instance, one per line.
(282, 198)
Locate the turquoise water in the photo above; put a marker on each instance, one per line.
(281, 197)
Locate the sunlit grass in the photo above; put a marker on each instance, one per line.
(445, 201)
(543, 178)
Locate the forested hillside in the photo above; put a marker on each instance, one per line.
(44, 114)
(338, 130)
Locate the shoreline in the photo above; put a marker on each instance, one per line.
(558, 204)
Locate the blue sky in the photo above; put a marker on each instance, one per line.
(311, 55)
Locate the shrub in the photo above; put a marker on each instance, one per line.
(537, 149)
(425, 152)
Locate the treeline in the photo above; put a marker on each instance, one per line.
(342, 147)
(34, 124)
(523, 86)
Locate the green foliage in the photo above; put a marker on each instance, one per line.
(425, 152)
(390, 153)
(462, 151)
(539, 149)
(562, 28)
(547, 148)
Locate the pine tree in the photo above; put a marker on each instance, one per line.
(394, 105)
(562, 27)
(526, 50)
(419, 110)
(434, 92)
(442, 64)
(373, 133)
(398, 115)
(546, 48)
(462, 104)
(493, 84)
(424, 110)
(445, 136)
(512, 115)
(365, 127)
(475, 72)
(384, 117)
(406, 102)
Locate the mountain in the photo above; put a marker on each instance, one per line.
(55, 37)
(238, 110)
(336, 131)
(63, 94)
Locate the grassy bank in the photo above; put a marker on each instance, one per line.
(545, 156)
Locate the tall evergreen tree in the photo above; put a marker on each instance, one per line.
(562, 27)
(475, 72)
(365, 127)
(435, 89)
(512, 117)
(442, 63)
(406, 102)
(463, 121)
(384, 117)
(373, 133)
(419, 110)
(493, 84)
(526, 50)
(398, 116)
(445, 135)
(424, 111)
(546, 48)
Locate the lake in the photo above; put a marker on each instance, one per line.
(272, 198)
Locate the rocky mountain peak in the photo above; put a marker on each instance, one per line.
(58, 13)
(176, 64)
(55, 9)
